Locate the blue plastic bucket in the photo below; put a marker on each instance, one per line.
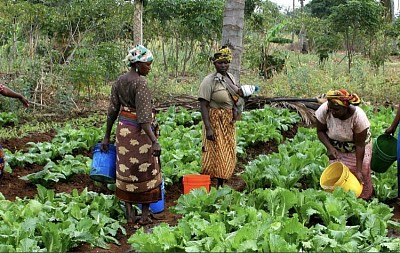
(104, 164)
(157, 207)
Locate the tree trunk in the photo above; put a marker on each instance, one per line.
(232, 33)
(137, 32)
(164, 54)
(303, 32)
(293, 32)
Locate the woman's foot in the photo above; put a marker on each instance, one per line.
(220, 182)
(158, 217)
(145, 221)
(130, 214)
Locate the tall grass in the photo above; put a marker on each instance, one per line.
(303, 77)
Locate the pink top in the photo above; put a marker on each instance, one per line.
(342, 130)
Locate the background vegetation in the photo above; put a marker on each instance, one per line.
(63, 54)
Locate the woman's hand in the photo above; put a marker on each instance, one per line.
(360, 177)
(210, 135)
(24, 101)
(333, 154)
(104, 145)
(156, 148)
(390, 130)
(235, 116)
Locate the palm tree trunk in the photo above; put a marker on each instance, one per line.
(232, 33)
(137, 32)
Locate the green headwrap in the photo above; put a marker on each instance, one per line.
(138, 54)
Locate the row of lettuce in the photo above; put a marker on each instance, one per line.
(296, 166)
(272, 220)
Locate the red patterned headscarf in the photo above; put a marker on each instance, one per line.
(343, 97)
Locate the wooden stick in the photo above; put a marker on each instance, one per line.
(34, 103)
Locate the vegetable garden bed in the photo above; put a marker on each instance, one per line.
(75, 203)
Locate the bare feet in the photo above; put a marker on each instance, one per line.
(145, 221)
(130, 214)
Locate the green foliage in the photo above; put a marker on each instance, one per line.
(65, 142)
(263, 125)
(323, 8)
(280, 40)
(93, 36)
(275, 63)
(355, 19)
(8, 118)
(327, 43)
(268, 220)
(300, 159)
(86, 74)
(379, 55)
(265, 14)
(201, 19)
(96, 66)
(59, 222)
(282, 218)
(52, 172)
(360, 16)
(189, 27)
(110, 57)
(270, 63)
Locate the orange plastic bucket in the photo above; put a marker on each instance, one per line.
(195, 181)
(338, 174)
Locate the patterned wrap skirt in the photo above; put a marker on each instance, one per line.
(138, 175)
(349, 159)
(219, 156)
(2, 161)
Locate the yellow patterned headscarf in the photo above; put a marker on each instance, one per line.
(343, 97)
(223, 54)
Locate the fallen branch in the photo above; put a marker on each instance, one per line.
(34, 103)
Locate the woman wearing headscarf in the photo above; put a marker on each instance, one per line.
(218, 93)
(5, 91)
(138, 175)
(344, 129)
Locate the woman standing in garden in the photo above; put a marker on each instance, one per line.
(391, 130)
(138, 176)
(218, 93)
(5, 91)
(344, 129)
